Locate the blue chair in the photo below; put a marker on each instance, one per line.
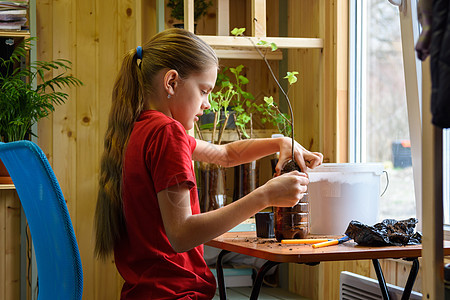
(60, 274)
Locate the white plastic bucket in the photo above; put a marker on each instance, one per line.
(340, 193)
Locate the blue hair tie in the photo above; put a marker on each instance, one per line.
(139, 52)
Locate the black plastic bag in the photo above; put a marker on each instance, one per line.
(389, 232)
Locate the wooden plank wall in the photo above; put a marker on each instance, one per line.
(9, 244)
(321, 124)
(93, 35)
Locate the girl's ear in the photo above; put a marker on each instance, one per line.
(170, 82)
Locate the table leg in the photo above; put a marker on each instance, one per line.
(411, 279)
(220, 277)
(380, 276)
(259, 278)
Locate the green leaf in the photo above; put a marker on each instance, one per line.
(246, 118)
(226, 83)
(243, 79)
(214, 105)
(273, 46)
(247, 95)
(261, 43)
(269, 100)
(239, 109)
(291, 77)
(225, 104)
(238, 31)
(236, 71)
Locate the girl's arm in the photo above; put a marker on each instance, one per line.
(186, 231)
(245, 151)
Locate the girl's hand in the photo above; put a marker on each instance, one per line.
(303, 157)
(286, 190)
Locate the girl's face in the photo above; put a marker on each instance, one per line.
(191, 97)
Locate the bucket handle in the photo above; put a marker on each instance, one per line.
(387, 183)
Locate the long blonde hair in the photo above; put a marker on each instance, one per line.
(172, 48)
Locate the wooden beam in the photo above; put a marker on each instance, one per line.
(160, 16)
(432, 212)
(342, 53)
(247, 54)
(223, 17)
(282, 43)
(23, 34)
(189, 15)
(259, 27)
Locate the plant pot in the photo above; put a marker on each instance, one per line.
(4, 175)
(264, 225)
(211, 186)
(292, 222)
(246, 179)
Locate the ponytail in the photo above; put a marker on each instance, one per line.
(127, 105)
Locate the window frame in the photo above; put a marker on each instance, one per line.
(410, 31)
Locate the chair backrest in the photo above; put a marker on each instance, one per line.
(60, 274)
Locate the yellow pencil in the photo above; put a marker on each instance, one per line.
(324, 244)
(330, 243)
(304, 241)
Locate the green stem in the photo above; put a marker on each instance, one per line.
(282, 90)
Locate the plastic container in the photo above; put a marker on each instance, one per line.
(340, 193)
(292, 222)
(264, 225)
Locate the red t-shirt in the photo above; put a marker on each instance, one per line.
(159, 155)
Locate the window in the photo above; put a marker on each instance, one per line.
(379, 129)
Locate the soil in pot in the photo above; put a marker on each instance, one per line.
(292, 222)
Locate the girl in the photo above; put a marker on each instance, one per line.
(147, 210)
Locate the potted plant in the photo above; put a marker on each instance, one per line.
(177, 10)
(21, 103)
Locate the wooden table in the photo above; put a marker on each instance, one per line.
(275, 253)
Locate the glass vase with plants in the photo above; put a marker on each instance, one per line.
(211, 177)
(22, 104)
(228, 100)
(246, 176)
